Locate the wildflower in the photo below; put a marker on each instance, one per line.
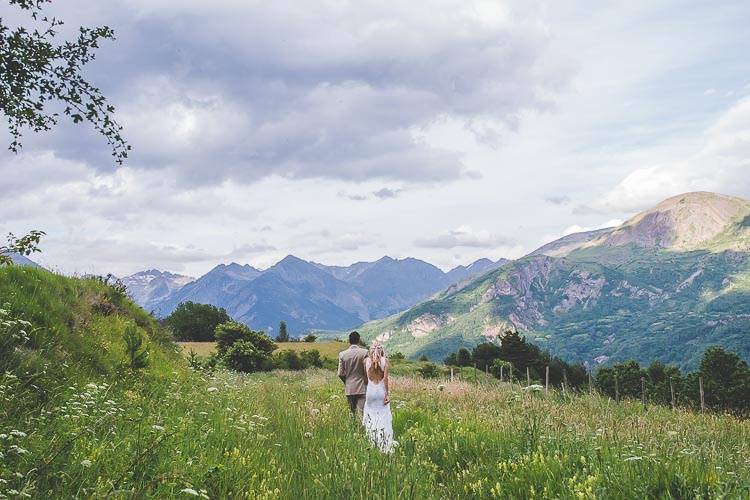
(17, 433)
(213, 389)
(91, 385)
(308, 434)
(157, 428)
(190, 491)
(315, 411)
(86, 463)
(441, 387)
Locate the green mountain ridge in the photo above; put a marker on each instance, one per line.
(664, 285)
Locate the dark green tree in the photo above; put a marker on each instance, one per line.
(451, 360)
(310, 338)
(484, 355)
(726, 380)
(196, 322)
(283, 335)
(135, 351)
(39, 72)
(463, 357)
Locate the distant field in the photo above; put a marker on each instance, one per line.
(326, 349)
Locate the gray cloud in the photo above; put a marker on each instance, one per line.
(558, 199)
(243, 91)
(386, 193)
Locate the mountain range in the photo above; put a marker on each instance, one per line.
(307, 295)
(664, 285)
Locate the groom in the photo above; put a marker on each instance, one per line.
(352, 373)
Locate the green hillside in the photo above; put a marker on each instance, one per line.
(636, 291)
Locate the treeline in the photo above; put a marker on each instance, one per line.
(513, 356)
(721, 382)
(193, 322)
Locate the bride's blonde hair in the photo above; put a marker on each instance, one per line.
(376, 372)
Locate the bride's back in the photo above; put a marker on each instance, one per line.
(375, 371)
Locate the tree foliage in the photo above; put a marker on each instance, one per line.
(25, 245)
(196, 322)
(283, 335)
(242, 349)
(41, 76)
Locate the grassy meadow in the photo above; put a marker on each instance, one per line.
(74, 422)
(327, 349)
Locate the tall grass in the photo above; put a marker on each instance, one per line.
(93, 430)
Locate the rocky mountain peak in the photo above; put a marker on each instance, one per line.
(688, 221)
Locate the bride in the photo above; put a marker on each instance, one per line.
(377, 414)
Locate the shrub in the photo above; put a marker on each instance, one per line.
(244, 356)
(397, 356)
(429, 370)
(242, 349)
(288, 359)
(311, 359)
(310, 338)
(137, 355)
(196, 322)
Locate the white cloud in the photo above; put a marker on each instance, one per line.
(722, 164)
(463, 236)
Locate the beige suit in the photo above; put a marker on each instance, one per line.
(352, 373)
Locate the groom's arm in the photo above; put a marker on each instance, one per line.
(341, 371)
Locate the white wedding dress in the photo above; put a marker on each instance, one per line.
(377, 417)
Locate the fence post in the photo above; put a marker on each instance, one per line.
(528, 377)
(700, 387)
(546, 380)
(643, 391)
(451, 374)
(565, 380)
(617, 390)
(671, 391)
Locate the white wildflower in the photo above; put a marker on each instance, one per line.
(308, 434)
(157, 428)
(190, 491)
(18, 433)
(86, 463)
(212, 389)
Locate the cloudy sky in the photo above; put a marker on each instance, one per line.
(342, 131)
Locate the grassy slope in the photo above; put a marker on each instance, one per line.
(103, 432)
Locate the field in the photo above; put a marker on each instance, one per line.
(74, 422)
(328, 349)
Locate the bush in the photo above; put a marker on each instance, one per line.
(397, 356)
(244, 356)
(429, 370)
(242, 349)
(310, 338)
(288, 359)
(196, 322)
